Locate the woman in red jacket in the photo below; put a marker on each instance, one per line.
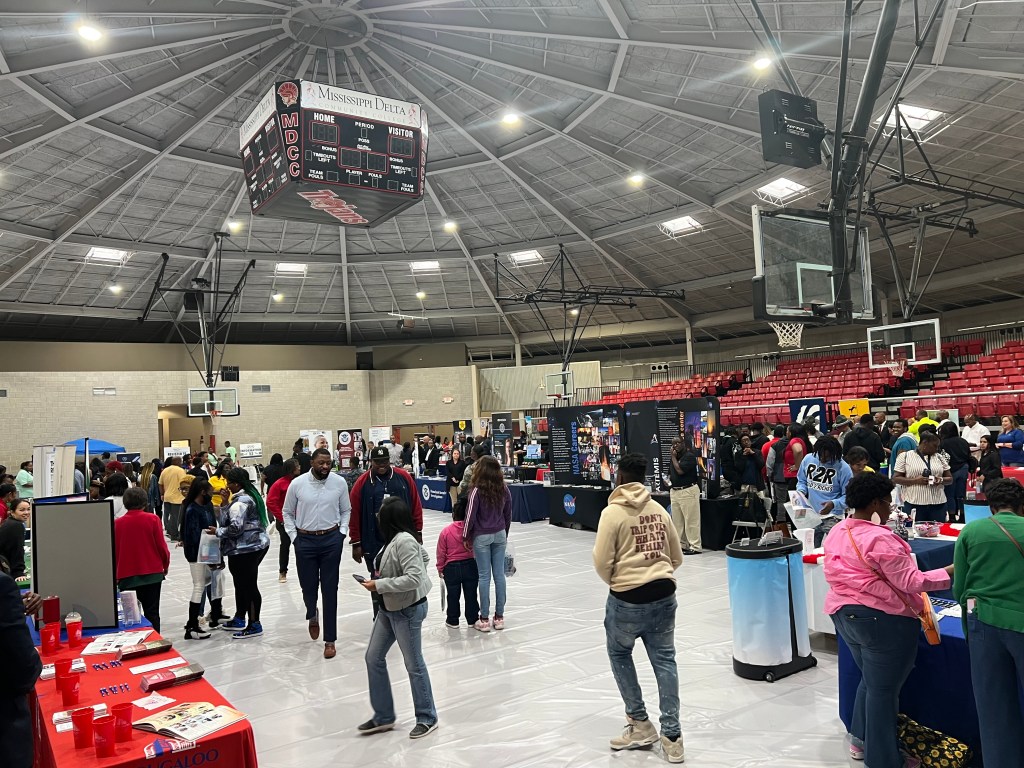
(141, 553)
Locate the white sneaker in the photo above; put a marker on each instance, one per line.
(673, 750)
(636, 734)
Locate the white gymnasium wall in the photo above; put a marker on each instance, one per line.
(513, 389)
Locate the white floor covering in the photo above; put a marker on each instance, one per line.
(540, 693)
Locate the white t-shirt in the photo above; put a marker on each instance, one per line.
(913, 464)
(974, 434)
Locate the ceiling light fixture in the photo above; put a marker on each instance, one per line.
(425, 266)
(277, 296)
(917, 118)
(108, 256)
(234, 226)
(684, 225)
(421, 295)
(116, 289)
(89, 32)
(525, 257)
(780, 191)
(287, 269)
(574, 312)
(511, 118)
(762, 63)
(450, 226)
(636, 179)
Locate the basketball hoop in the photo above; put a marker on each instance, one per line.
(214, 420)
(789, 334)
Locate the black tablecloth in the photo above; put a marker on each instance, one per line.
(716, 518)
(529, 502)
(574, 506)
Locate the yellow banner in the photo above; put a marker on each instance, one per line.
(854, 409)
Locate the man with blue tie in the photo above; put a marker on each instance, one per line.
(316, 515)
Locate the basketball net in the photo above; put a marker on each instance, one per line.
(789, 334)
(896, 367)
(214, 421)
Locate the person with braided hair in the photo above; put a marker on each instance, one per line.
(244, 542)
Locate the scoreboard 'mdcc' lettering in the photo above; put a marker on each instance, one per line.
(317, 153)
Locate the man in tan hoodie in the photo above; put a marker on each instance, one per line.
(636, 553)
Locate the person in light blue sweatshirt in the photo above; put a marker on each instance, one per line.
(823, 477)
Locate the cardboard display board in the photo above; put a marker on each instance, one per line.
(585, 444)
(651, 426)
(73, 558)
(350, 443)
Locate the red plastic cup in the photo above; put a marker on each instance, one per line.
(50, 636)
(61, 668)
(122, 714)
(74, 634)
(103, 734)
(81, 720)
(69, 685)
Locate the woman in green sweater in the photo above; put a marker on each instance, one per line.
(987, 574)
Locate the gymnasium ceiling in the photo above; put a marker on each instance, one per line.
(129, 142)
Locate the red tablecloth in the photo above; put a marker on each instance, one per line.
(233, 747)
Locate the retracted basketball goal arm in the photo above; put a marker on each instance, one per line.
(214, 317)
(584, 298)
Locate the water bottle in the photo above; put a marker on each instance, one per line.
(120, 611)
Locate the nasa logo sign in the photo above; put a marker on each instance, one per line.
(289, 93)
(426, 493)
(569, 504)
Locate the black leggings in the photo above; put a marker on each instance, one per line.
(245, 570)
(286, 545)
(148, 596)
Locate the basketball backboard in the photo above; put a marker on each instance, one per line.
(559, 384)
(915, 343)
(202, 401)
(793, 267)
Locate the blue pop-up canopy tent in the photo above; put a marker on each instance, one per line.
(96, 446)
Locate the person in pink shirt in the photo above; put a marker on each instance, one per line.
(874, 602)
(456, 564)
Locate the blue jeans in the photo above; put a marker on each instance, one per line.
(956, 492)
(655, 624)
(884, 648)
(489, 551)
(997, 669)
(318, 561)
(405, 627)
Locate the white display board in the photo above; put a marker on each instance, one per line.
(73, 558)
(250, 450)
(379, 434)
(174, 451)
(53, 470)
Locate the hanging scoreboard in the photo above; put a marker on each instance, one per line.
(327, 155)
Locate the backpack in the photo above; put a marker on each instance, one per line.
(778, 469)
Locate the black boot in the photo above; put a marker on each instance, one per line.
(215, 613)
(192, 629)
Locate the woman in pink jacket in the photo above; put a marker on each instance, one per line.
(874, 602)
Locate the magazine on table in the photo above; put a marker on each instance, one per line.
(190, 721)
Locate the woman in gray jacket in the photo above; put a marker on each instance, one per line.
(401, 583)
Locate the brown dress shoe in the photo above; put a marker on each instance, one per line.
(314, 627)
(329, 651)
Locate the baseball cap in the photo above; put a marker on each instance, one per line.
(380, 453)
(841, 422)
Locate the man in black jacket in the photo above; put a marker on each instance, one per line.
(864, 435)
(18, 674)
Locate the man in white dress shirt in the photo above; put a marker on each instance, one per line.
(972, 432)
(316, 513)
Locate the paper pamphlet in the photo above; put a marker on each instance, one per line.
(190, 721)
(115, 641)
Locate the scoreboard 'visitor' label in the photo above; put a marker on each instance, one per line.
(314, 152)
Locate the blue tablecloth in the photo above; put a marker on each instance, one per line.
(529, 502)
(434, 493)
(938, 692)
(932, 555)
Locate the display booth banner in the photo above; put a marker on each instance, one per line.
(128, 458)
(250, 451)
(651, 426)
(462, 429)
(53, 469)
(809, 408)
(501, 438)
(350, 443)
(854, 409)
(379, 434)
(315, 438)
(585, 444)
(175, 451)
(485, 427)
